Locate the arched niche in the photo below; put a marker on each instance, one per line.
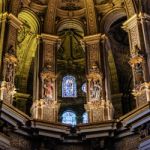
(118, 57)
(27, 43)
(69, 117)
(70, 24)
(71, 61)
(105, 25)
(110, 18)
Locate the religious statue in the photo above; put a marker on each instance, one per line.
(9, 72)
(138, 73)
(48, 89)
(95, 89)
(7, 92)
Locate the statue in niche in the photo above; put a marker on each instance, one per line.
(7, 92)
(48, 89)
(9, 72)
(95, 89)
(138, 73)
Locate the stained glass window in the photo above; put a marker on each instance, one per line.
(69, 87)
(69, 117)
(84, 88)
(85, 117)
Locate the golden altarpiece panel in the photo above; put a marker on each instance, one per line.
(75, 74)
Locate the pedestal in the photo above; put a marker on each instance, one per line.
(45, 110)
(99, 111)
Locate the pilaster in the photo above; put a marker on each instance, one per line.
(47, 107)
(98, 107)
(9, 71)
(138, 59)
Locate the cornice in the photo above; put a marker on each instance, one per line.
(104, 8)
(131, 22)
(92, 38)
(39, 8)
(48, 38)
(14, 21)
(137, 117)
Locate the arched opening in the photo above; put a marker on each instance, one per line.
(118, 57)
(69, 117)
(69, 87)
(85, 118)
(71, 68)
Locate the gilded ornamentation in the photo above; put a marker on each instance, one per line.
(7, 92)
(49, 56)
(134, 37)
(7, 85)
(48, 82)
(129, 7)
(50, 16)
(91, 17)
(100, 110)
(45, 110)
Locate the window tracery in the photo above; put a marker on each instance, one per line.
(69, 87)
(69, 117)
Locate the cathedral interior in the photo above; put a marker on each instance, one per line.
(75, 74)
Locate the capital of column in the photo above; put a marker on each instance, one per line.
(48, 75)
(92, 38)
(14, 21)
(3, 17)
(51, 39)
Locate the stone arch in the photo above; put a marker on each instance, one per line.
(27, 43)
(110, 18)
(105, 25)
(67, 23)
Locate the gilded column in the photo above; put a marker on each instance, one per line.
(98, 107)
(9, 71)
(47, 107)
(138, 59)
(10, 61)
(91, 17)
(3, 18)
(130, 7)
